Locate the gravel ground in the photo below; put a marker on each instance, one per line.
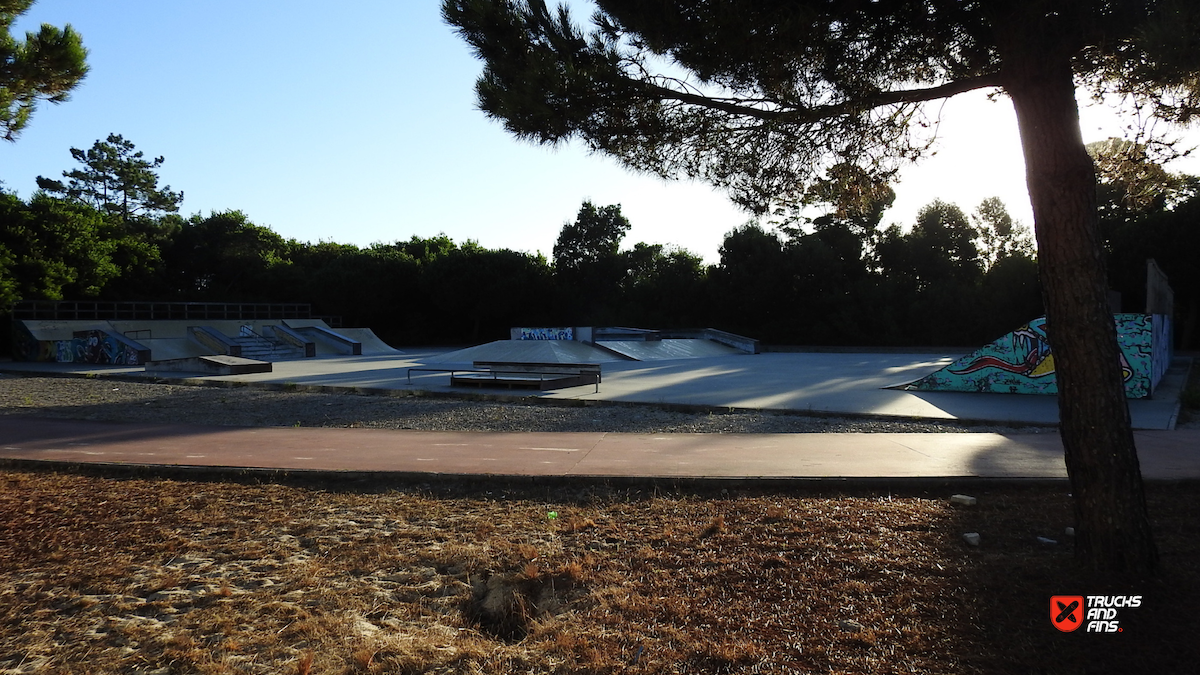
(130, 401)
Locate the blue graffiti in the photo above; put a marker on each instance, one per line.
(547, 333)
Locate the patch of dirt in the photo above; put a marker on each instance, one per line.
(109, 575)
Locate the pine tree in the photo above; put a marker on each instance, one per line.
(117, 180)
(47, 65)
(761, 96)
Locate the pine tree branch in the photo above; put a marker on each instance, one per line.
(817, 113)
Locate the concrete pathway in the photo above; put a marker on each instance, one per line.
(1165, 455)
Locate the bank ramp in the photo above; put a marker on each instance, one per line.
(668, 348)
(531, 351)
(1020, 362)
(601, 351)
(329, 343)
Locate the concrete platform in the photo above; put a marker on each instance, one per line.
(1164, 455)
(209, 365)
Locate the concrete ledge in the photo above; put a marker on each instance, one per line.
(343, 343)
(214, 339)
(291, 337)
(211, 365)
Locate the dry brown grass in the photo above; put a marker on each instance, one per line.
(107, 575)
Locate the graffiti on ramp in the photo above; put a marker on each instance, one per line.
(1021, 362)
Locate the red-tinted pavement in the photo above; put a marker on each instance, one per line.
(1165, 455)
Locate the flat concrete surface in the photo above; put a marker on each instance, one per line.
(1165, 455)
(532, 351)
(829, 383)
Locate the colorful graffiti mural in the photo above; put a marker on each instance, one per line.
(1021, 362)
(92, 346)
(97, 346)
(1163, 349)
(547, 333)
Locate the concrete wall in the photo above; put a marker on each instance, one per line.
(1163, 348)
(738, 342)
(96, 346)
(28, 347)
(1160, 299)
(542, 333)
(88, 346)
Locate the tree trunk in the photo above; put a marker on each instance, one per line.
(1112, 533)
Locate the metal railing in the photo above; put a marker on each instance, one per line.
(72, 310)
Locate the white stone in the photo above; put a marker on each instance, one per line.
(971, 538)
(962, 500)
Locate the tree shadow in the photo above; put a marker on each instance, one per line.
(1004, 597)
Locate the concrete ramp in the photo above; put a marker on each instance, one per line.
(570, 351)
(667, 348)
(531, 351)
(1021, 362)
(369, 341)
(169, 339)
(163, 349)
(154, 330)
(305, 323)
(371, 344)
(94, 342)
(43, 330)
(210, 365)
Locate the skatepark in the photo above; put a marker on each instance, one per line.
(696, 372)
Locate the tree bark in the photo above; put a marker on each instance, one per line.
(1112, 533)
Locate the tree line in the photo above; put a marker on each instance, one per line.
(107, 231)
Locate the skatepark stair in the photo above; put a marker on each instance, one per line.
(259, 347)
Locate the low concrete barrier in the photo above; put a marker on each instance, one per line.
(291, 337)
(214, 340)
(353, 347)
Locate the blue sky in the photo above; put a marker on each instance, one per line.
(358, 125)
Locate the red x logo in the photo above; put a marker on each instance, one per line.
(1066, 612)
